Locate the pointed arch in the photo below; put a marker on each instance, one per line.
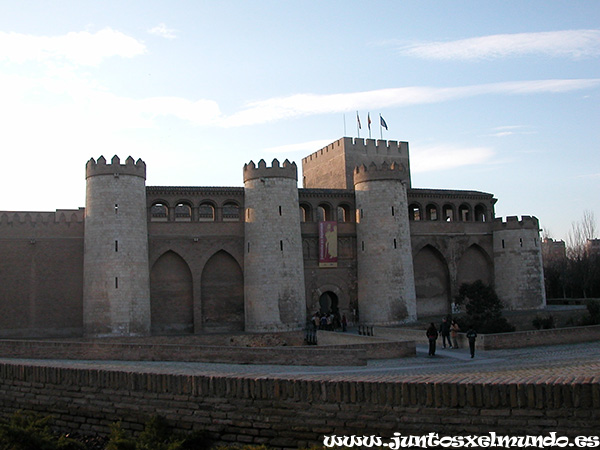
(222, 294)
(475, 264)
(171, 295)
(432, 282)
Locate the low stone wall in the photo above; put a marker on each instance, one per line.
(102, 350)
(290, 413)
(517, 339)
(375, 348)
(552, 336)
(401, 334)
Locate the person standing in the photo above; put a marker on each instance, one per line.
(471, 336)
(432, 335)
(445, 331)
(454, 329)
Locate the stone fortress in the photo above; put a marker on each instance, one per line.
(357, 240)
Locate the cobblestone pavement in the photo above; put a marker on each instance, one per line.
(569, 363)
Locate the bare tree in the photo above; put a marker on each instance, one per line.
(579, 234)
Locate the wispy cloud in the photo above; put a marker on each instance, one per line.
(589, 175)
(510, 130)
(162, 31)
(81, 48)
(309, 104)
(568, 43)
(444, 157)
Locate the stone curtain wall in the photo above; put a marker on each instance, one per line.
(291, 413)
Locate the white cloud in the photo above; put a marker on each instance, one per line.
(162, 31)
(309, 104)
(81, 48)
(444, 157)
(510, 130)
(568, 43)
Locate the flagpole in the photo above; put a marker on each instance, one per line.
(380, 128)
(344, 124)
(357, 125)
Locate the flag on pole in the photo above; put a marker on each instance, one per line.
(369, 120)
(358, 120)
(383, 124)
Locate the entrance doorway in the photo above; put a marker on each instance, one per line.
(328, 303)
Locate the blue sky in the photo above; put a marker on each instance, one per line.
(495, 96)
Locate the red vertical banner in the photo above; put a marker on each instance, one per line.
(328, 244)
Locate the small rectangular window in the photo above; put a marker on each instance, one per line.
(395, 244)
(392, 211)
(280, 210)
(502, 243)
(116, 246)
(281, 245)
(363, 245)
(116, 282)
(116, 208)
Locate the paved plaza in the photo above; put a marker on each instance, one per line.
(573, 362)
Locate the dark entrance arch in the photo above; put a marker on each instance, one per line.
(328, 302)
(222, 294)
(171, 299)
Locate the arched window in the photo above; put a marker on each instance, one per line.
(304, 211)
(159, 212)
(414, 212)
(464, 213)
(183, 212)
(432, 212)
(448, 213)
(206, 212)
(323, 212)
(343, 213)
(231, 212)
(480, 213)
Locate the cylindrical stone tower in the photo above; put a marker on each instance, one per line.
(274, 291)
(518, 267)
(386, 282)
(116, 293)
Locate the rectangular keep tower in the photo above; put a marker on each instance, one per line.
(333, 166)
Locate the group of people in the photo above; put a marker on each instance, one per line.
(329, 321)
(449, 330)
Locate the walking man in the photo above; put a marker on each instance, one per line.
(471, 336)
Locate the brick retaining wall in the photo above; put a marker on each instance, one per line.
(297, 412)
(102, 350)
(375, 348)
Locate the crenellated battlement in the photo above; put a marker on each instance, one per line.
(287, 170)
(374, 172)
(101, 167)
(394, 149)
(513, 223)
(15, 218)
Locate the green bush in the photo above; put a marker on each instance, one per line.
(157, 435)
(30, 431)
(543, 323)
(483, 309)
(593, 318)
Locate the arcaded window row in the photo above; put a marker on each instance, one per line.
(449, 212)
(207, 211)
